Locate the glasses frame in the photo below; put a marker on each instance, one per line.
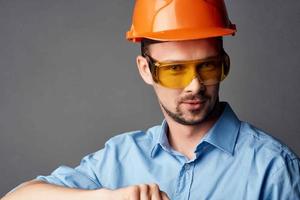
(155, 64)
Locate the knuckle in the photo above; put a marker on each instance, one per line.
(144, 188)
(154, 186)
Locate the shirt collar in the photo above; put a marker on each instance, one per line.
(222, 135)
(224, 132)
(161, 140)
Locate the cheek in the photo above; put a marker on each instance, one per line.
(212, 91)
(168, 97)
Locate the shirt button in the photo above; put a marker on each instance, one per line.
(188, 173)
(187, 166)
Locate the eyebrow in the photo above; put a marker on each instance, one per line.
(171, 60)
(206, 58)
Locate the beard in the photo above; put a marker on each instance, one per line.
(206, 113)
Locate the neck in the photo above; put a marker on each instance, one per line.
(184, 138)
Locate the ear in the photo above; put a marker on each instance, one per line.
(144, 69)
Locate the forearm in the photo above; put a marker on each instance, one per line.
(37, 190)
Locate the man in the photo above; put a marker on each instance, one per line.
(201, 150)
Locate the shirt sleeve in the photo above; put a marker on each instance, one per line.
(84, 176)
(284, 184)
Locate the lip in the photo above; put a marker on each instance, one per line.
(193, 101)
(193, 104)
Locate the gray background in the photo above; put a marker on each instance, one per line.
(68, 79)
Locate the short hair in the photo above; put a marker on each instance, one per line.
(146, 42)
(145, 45)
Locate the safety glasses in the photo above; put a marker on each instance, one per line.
(177, 75)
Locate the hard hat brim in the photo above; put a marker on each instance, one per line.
(180, 35)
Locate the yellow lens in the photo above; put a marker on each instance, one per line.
(176, 76)
(210, 73)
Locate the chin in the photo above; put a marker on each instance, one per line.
(195, 120)
(198, 116)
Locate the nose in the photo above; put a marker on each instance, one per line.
(195, 86)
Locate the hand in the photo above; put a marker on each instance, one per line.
(139, 192)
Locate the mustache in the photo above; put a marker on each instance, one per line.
(194, 97)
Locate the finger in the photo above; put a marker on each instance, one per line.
(164, 196)
(144, 192)
(134, 193)
(155, 192)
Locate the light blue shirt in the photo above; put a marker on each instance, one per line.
(233, 161)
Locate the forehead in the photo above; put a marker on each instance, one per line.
(185, 50)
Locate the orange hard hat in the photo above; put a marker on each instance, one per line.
(170, 20)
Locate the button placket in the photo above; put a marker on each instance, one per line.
(187, 166)
(184, 181)
(189, 173)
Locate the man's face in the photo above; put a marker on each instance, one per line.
(194, 103)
